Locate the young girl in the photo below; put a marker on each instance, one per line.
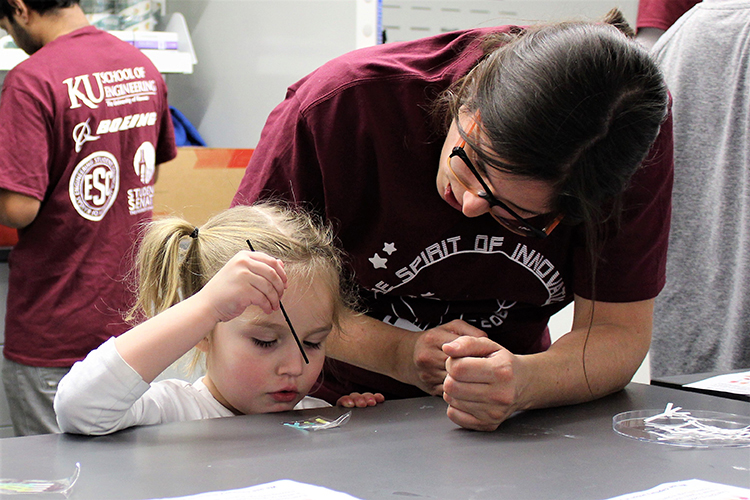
(231, 313)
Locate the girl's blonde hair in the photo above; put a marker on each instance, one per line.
(176, 259)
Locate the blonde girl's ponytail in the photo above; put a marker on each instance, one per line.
(162, 266)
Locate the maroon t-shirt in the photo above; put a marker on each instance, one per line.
(83, 122)
(354, 140)
(661, 13)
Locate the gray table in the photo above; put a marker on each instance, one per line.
(401, 449)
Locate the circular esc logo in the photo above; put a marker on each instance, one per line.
(94, 185)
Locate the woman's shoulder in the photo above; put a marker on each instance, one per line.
(446, 56)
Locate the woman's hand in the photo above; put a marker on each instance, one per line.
(249, 278)
(482, 384)
(428, 358)
(360, 400)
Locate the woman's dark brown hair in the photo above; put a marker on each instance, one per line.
(577, 104)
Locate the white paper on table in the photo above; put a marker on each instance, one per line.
(692, 489)
(284, 489)
(735, 383)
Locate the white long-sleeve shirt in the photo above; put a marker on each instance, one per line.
(103, 394)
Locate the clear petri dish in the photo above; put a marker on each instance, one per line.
(689, 428)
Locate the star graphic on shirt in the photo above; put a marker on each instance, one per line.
(378, 262)
(389, 248)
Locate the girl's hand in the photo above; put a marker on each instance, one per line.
(360, 400)
(249, 278)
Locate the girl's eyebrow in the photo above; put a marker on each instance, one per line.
(279, 327)
(268, 325)
(323, 329)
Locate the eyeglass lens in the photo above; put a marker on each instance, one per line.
(466, 174)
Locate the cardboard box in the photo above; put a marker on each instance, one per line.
(199, 182)
(8, 236)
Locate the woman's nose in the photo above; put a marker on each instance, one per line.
(472, 205)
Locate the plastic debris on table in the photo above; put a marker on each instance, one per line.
(319, 423)
(36, 486)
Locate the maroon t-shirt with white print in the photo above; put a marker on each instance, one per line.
(83, 123)
(355, 141)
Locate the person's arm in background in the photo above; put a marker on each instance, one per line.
(17, 210)
(656, 16)
(23, 169)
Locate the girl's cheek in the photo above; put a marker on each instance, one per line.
(317, 359)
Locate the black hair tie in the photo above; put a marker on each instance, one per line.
(194, 234)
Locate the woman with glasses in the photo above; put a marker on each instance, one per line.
(550, 148)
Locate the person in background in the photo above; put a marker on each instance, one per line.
(230, 311)
(480, 181)
(84, 124)
(702, 319)
(656, 16)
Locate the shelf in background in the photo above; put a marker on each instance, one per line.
(166, 61)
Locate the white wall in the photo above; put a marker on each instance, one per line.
(411, 19)
(250, 51)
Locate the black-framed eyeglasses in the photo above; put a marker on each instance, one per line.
(498, 209)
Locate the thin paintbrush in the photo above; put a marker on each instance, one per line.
(288, 322)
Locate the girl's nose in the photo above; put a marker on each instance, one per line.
(292, 362)
(472, 205)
